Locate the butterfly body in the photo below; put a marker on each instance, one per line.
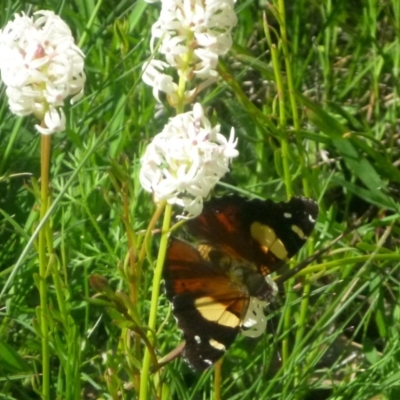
(222, 286)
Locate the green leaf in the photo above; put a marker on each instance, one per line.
(370, 351)
(348, 147)
(362, 168)
(367, 195)
(10, 360)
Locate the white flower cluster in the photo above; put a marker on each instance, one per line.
(185, 161)
(191, 35)
(41, 66)
(255, 322)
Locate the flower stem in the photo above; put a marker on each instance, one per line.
(305, 173)
(144, 379)
(217, 379)
(43, 263)
(285, 148)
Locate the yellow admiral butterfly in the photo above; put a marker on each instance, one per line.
(221, 287)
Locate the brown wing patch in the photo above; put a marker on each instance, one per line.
(186, 271)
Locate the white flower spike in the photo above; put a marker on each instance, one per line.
(41, 66)
(191, 35)
(185, 161)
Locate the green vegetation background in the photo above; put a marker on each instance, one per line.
(315, 103)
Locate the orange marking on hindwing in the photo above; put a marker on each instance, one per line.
(222, 218)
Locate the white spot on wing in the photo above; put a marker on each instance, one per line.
(298, 232)
(197, 339)
(287, 215)
(217, 345)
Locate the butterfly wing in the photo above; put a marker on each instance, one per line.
(210, 306)
(261, 231)
(207, 304)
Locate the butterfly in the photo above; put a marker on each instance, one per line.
(221, 286)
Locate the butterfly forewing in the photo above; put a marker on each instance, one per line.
(208, 306)
(265, 232)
